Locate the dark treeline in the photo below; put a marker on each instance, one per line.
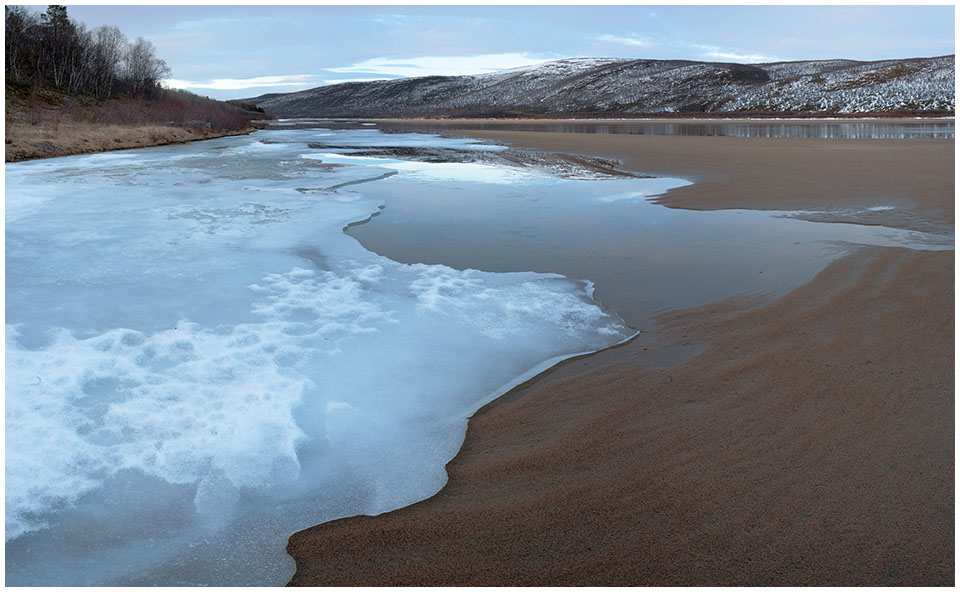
(57, 70)
(52, 50)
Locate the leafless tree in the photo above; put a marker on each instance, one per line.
(50, 49)
(106, 57)
(20, 26)
(144, 70)
(59, 44)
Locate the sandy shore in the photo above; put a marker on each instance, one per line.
(810, 442)
(829, 176)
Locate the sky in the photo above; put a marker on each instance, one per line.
(242, 51)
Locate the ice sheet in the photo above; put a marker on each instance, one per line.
(200, 362)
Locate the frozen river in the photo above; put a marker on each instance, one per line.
(199, 361)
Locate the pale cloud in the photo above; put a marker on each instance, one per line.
(441, 65)
(631, 41)
(343, 80)
(712, 52)
(209, 23)
(302, 80)
(736, 57)
(390, 19)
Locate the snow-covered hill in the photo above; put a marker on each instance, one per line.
(616, 86)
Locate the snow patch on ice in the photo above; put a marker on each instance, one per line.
(192, 342)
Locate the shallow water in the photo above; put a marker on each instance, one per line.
(200, 362)
(642, 257)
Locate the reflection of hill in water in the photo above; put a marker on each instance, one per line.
(854, 130)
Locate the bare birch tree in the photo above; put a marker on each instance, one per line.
(144, 70)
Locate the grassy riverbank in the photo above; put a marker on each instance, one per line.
(41, 123)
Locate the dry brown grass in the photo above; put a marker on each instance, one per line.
(55, 138)
(44, 124)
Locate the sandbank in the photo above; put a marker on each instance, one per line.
(810, 441)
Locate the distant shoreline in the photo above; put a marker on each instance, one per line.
(654, 118)
(680, 117)
(792, 119)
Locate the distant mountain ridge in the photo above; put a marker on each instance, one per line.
(632, 87)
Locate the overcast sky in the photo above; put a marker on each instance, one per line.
(236, 51)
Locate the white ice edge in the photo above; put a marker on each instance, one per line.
(468, 413)
(536, 371)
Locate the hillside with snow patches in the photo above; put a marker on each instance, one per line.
(616, 86)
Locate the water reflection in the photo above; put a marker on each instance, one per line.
(641, 256)
(827, 129)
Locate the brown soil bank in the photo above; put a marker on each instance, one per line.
(811, 442)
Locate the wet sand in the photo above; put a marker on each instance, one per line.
(809, 442)
(914, 177)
